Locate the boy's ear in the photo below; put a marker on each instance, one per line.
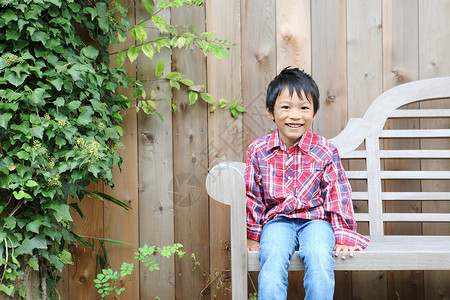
(269, 114)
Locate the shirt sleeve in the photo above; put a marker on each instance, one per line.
(338, 203)
(255, 205)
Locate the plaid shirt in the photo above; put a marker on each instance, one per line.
(306, 181)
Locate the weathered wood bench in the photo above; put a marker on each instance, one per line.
(363, 139)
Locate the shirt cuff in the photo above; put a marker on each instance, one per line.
(254, 232)
(350, 238)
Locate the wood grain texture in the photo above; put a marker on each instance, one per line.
(156, 207)
(434, 46)
(329, 64)
(190, 163)
(82, 273)
(258, 65)
(293, 23)
(225, 139)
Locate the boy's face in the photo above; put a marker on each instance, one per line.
(292, 115)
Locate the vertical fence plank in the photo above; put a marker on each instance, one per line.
(190, 164)
(400, 65)
(329, 64)
(364, 55)
(329, 70)
(434, 46)
(258, 69)
(82, 272)
(258, 65)
(224, 132)
(156, 218)
(120, 224)
(293, 34)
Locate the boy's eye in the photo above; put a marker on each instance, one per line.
(305, 107)
(285, 107)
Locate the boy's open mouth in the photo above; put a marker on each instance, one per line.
(294, 125)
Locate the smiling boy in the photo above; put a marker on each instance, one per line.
(298, 197)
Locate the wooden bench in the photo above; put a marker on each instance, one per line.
(363, 139)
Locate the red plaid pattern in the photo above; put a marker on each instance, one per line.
(306, 181)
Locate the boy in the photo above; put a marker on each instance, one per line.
(298, 197)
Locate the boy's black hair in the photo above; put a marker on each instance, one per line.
(293, 79)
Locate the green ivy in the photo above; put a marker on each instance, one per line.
(60, 124)
(61, 117)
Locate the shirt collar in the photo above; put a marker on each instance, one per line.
(304, 143)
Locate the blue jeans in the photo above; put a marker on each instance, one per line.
(314, 240)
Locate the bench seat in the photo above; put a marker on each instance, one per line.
(395, 252)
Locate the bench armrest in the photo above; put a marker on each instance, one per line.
(225, 183)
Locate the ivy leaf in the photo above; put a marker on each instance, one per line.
(34, 263)
(57, 83)
(4, 119)
(34, 226)
(21, 194)
(23, 155)
(37, 97)
(159, 68)
(62, 213)
(90, 52)
(133, 53)
(31, 183)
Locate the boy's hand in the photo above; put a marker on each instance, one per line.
(345, 249)
(252, 245)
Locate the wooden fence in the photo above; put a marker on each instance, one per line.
(354, 49)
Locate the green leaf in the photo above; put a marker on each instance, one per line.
(31, 183)
(187, 82)
(193, 96)
(37, 97)
(174, 83)
(57, 83)
(207, 98)
(74, 104)
(4, 119)
(114, 241)
(233, 105)
(148, 50)
(241, 109)
(75, 206)
(103, 196)
(63, 213)
(133, 53)
(34, 226)
(159, 70)
(139, 33)
(222, 103)
(21, 194)
(120, 58)
(174, 75)
(148, 6)
(34, 263)
(160, 23)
